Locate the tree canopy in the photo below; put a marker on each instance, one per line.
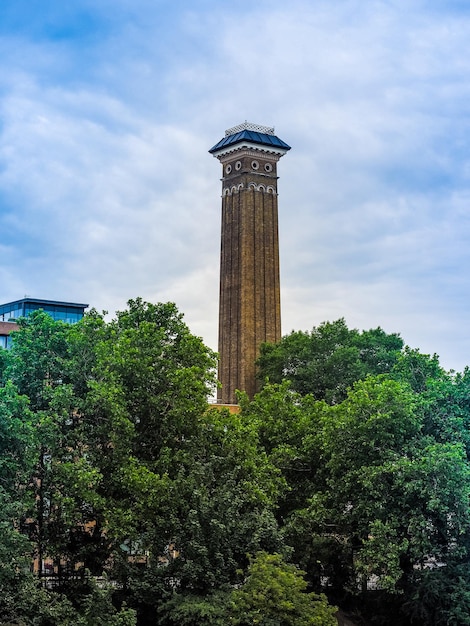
(344, 481)
(328, 360)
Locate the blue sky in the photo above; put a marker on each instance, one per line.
(107, 191)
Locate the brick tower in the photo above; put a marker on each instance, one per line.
(250, 302)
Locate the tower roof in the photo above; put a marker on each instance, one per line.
(250, 134)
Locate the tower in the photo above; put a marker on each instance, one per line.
(250, 302)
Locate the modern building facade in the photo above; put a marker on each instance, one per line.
(250, 301)
(68, 312)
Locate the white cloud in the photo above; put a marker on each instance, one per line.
(107, 190)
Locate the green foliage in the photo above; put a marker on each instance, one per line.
(389, 478)
(17, 438)
(32, 605)
(289, 428)
(39, 358)
(327, 361)
(274, 594)
(193, 610)
(225, 491)
(352, 463)
(165, 374)
(96, 609)
(384, 476)
(219, 507)
(440, 596)
(417, 369)
(17, 460)
(92, 420)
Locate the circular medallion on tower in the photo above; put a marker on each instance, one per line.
(238, 165)
(228, 169)
(254, 165)
(268, 167)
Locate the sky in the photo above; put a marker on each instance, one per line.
(107, 191)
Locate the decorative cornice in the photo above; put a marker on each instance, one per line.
(248, 149)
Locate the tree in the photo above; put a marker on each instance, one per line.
(352, 463)
(220, 507)
(392, 501)
(180, 485)
(62, 482)
(289, 428)
(149, 389)
(227, 490)
(165, 373)
(22, 601)
(274, 594)
(327, 361)
(18, 453)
